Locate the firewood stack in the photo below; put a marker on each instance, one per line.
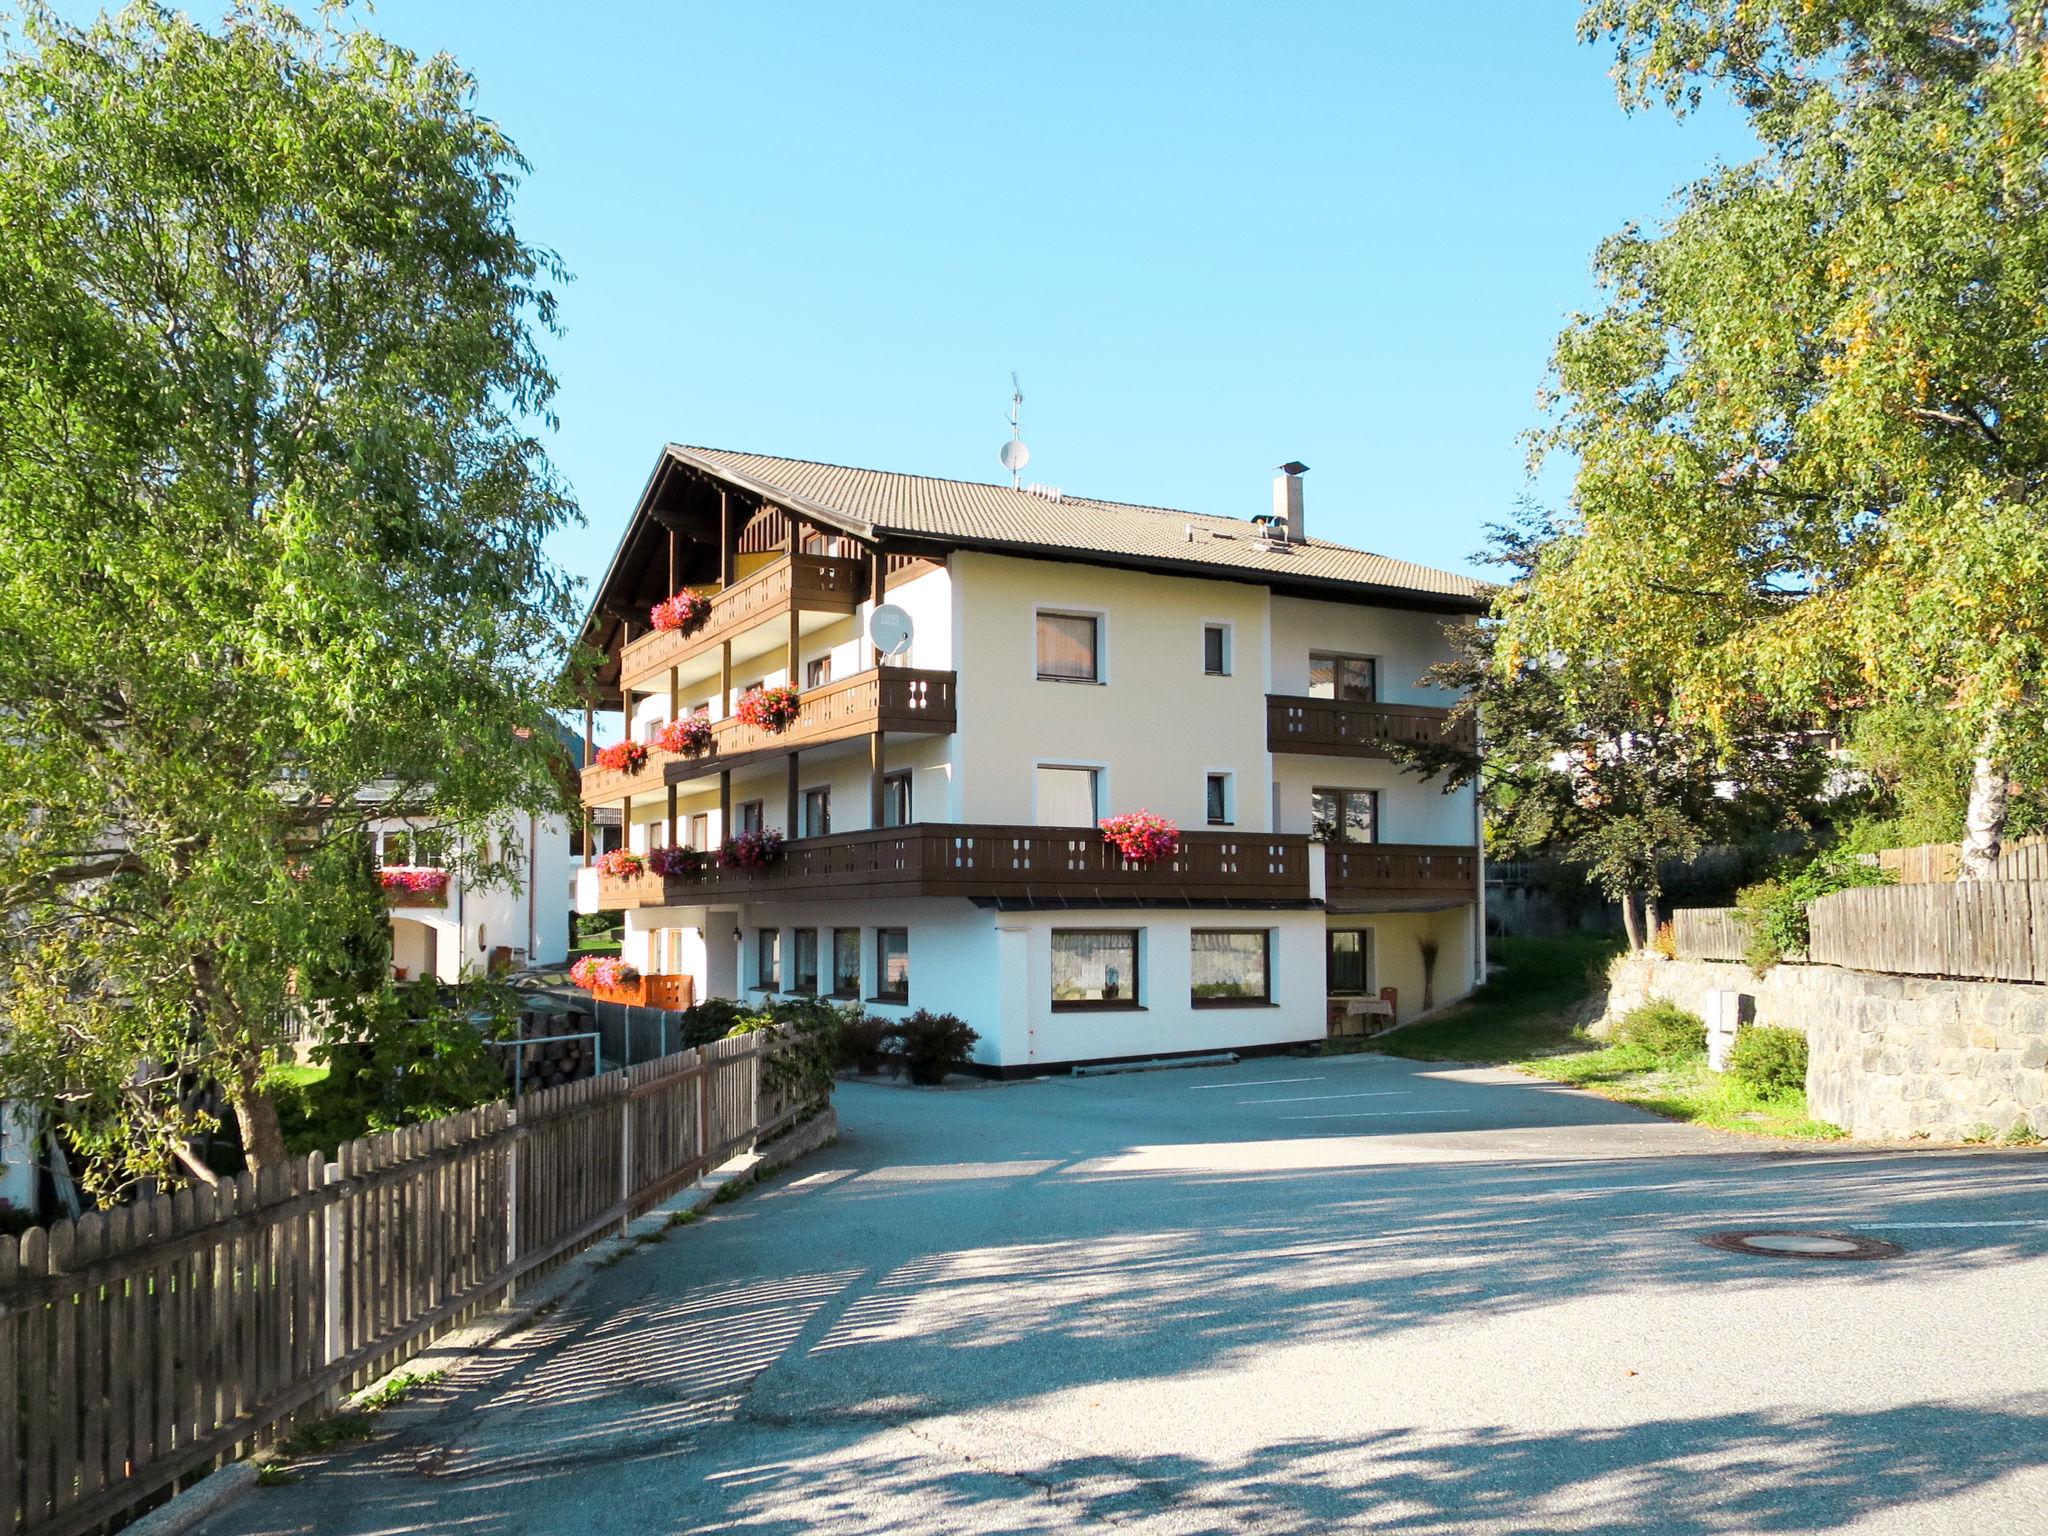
(545, 1062)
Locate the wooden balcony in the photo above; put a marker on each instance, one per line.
(1343, 728)
(1382, 876)
(815, 583)
(901, 699)
(881, 699)
(1021, 866)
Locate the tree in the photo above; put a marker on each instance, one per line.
(272, 512)
(1586, 755)
(1811, 456)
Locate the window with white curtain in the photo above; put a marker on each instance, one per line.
(1066, 797)
(1094, 967)
(1231, 966)
(1067, 647)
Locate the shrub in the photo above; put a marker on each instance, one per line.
(712, 1019)
(1663, 1030)
(1769, 1059)
(1774, 910)
(863, 1041)
(596, 925)
(1665, 941)
(933, 1044)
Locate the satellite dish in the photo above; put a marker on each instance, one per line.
(890, 628)
(1015, 455)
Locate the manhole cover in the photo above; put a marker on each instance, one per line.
(1803, 1245)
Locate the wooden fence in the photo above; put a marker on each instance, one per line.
(1988, 930)
(144, 1344)
(2024, 858)
(1708, 933)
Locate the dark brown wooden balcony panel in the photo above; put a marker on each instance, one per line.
(1342, 728)
(608, 786)
(817, 583)
(881, 699)
(1354, 872)
(1054, 865)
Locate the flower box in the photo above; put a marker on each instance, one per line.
(750, 850)
(687, 737)
(599, 974)
(682, 613)
(413, 885)
(669, 862)
(620, 864)
(770, 709)
(623, 757)
(1142, 838)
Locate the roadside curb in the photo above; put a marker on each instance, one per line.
(218, 1489)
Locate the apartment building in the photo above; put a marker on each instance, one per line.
(1041, 662)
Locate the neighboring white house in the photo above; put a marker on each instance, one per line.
(18, 1143)
(445, 926)
(1067, 660)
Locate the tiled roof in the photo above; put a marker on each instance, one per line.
(996, 516)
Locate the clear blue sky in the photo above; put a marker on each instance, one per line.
(1208, 237)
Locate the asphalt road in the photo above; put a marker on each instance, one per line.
(1288, 1296)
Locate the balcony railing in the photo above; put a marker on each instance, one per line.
(995, 863)
(821, 583)
(1405, 871)
(1344, 728)
(900, 699)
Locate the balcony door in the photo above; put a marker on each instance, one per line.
(1068, 797)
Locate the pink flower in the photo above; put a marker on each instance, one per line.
(750, 850)
(620, 863)
(687, 737)
(594, 972)
(685, 611)
(413, 879)
(1141, 837)
(675, 861)
(772, 709)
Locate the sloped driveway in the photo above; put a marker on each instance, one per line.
(1287, 1296)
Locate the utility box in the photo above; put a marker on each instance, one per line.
(1726, 1011)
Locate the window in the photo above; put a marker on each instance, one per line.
(1066, 648)
(817, 811)
(818, 672)
(1342, 677)
(700, 831)
(846, 962)
(1349, 950)
(397, 848)
(749, 816)
(1345, 815)
(1230, 966)
(657, 835)
(1095, 968)
(804, 961)
(896, 800)
(1216, 649)
(1066, 797)
(892, 965)
(768, 958)
(1217, 799)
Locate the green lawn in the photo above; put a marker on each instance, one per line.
(1524, 1019)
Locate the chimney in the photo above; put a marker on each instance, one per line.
(1287, 500)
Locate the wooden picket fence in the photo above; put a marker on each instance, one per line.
(1708, 933)
(142, 1345)
(1988, 930)
(2024, 858)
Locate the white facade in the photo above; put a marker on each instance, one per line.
(1153, 728)
(17, 1158)
(526, 914)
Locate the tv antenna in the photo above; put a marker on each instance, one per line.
(1015, 455)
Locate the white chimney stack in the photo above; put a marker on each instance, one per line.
(1287, 500)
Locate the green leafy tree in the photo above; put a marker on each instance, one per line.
(1812, 460)
(1586, 755)
(272, 513)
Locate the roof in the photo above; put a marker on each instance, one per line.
(874, 502)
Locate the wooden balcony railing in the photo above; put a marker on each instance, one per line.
(881, 699)
(821, 583)
(1342, 728)
(1419, 871)
(995, 863)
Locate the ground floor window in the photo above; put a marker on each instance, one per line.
(1349, 962)
(804, 961)
(846, 962)
(892, 965)
(768, 958)
(1094, 967)
(1231, 966)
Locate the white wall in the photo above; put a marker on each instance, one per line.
(1155, 726)
(1412, 809)
(17, 1158)
(1404, 643)
(527, 913)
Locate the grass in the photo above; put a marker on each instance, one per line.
(1527, 1019)
(296, 1076)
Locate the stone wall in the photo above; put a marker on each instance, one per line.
(1888, 1056)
